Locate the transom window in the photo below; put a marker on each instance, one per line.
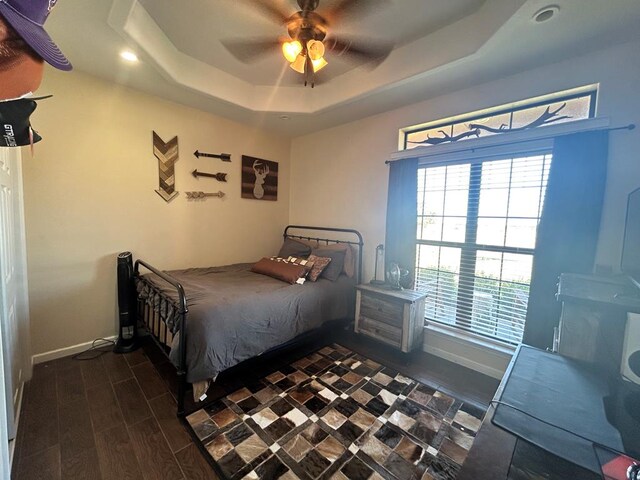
(477, 225)
(549, 110)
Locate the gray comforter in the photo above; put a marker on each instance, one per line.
(235, 314)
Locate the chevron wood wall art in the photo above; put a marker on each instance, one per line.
(167, 155)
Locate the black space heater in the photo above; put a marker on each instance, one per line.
(127, 338)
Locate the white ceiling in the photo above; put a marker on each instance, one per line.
(228, 20)
(440, 46)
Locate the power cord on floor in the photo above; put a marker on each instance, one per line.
(94, 351)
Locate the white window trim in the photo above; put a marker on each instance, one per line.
(489, 152)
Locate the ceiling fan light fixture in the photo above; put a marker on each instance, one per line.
(315, 49)
(308, 37)
(299, 63)
(319, 64)
(291, 50)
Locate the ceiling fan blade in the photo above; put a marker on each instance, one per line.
(271, 10)
(345, 8)
(361, 50)
(248, 51)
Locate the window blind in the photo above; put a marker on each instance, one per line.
(477, 225)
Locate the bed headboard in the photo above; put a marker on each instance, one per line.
(340, 235)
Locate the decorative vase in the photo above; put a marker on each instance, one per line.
(393, 276)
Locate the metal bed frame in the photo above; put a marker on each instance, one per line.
(151, 319)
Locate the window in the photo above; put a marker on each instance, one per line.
(533, 113)
(478, 216)
(477, 225)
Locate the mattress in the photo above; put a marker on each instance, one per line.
(235, 314)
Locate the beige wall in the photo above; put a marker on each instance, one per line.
(339, 177)
(89, 194)
(89, 189)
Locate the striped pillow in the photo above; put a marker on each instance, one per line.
(307, 264)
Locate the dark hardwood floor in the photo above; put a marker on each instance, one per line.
(114, 417)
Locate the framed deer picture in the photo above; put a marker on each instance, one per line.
(259, 178)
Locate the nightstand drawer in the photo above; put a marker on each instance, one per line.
(381, 331)
(395, 317)
(377, 308)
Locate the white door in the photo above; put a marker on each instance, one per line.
(4, 423)
(12, 290)
(4, 439)
(8, 289)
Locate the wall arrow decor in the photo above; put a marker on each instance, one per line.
(167, 155)
(196, 195)
(225, 157)
(221, 177)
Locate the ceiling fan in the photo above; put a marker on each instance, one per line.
(309, 38)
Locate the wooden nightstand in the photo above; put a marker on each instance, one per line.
(395, 317)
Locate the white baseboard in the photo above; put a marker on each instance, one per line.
(64, 352)
(483, 359)
(12, 443)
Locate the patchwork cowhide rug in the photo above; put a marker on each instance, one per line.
(336, 415)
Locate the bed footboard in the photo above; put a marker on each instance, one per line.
(163, 317)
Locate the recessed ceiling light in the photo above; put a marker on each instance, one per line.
(284, 117)
(545, 14)
(129, 56)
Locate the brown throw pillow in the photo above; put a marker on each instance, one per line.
(319, 264)
(285, 271)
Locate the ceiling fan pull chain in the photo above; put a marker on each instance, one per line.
(308, 68)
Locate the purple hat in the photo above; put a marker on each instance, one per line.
(27, 17)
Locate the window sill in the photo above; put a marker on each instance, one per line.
(469, 337)
(472, 351)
